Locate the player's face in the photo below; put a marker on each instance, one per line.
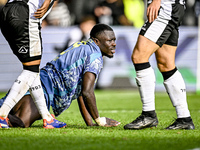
(107, 43)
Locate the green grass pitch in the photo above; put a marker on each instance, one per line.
(121, 105)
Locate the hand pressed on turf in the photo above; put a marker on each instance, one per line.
(111, 123)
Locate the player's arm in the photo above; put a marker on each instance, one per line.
(42, 10)
(90, 101)
(88, 94)
(152, 10)
(85, 114)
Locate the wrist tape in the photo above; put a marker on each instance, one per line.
(101, 121)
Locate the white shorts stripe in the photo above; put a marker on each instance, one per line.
(155, 30)
(34, 38)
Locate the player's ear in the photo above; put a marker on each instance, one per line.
(96, 41)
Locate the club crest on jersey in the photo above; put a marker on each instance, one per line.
(23, 50)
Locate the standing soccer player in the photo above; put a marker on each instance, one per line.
(159, 35)
(21, 25)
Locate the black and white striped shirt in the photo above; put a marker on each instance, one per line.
(170, 2)
(34, 5)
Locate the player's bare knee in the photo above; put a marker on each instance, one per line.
(135, 59)
(16, 121)
(132, 58)
(139, 56)
(26, 125)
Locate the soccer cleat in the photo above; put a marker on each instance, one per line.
(4, 122)
(181, 124)
(142, 122)
(53, 124)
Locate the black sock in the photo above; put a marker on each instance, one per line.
(142, 66)
(168, 74)
(149, 113)
(187, 119)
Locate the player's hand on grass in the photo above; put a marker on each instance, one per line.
(111, 123)
(106, 122)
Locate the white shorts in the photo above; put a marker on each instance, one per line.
(21, 32)
(164, 29)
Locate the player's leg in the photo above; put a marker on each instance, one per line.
(23, 36)
(26, 45)
(175, 86)
(27, 80)
(37, 94)
(24, 114)
(152, 37)
(10, 24)
(145, 79)
(36, 89)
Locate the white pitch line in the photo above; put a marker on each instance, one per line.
(115, 111)
(128, 111)
(123, 111)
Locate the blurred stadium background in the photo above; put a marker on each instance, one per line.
(119, 71)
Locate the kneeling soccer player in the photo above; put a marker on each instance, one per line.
(70, 76)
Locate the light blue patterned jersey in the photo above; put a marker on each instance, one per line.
(62, 77)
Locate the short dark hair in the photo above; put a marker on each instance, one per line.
(98, 29)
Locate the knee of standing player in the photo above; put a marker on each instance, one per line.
(135, 57)
(139, 56)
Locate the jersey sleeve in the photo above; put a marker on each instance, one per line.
(94, 64)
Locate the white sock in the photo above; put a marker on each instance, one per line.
(37, 94)
(175, 87)
(146, 84)
(17, 91)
